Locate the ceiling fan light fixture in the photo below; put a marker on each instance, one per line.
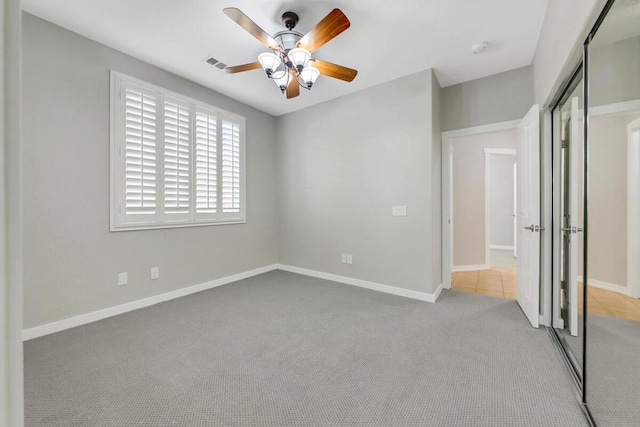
(288, 62)
(282, 81)
(309, 75)
(279, 72)
(299, 57)
(269, 61)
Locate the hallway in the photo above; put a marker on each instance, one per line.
(498, 282)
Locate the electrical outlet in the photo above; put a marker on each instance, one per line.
(343, 258)
(155, 273)
(123, 279)
(349, 259)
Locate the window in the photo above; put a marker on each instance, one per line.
(175, 161)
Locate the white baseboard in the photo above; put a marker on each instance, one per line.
(422, 296)
(504, 248)
(608, 286)
(436, 294)
(83, 319)
(457, 268)
(94, 316)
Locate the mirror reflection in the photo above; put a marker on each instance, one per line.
(568, 170)
(613, 285)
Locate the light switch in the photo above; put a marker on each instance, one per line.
(399, 210)
(155, 273)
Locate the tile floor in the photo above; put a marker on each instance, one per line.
(497, 282)
(610, 303)
(501, 282)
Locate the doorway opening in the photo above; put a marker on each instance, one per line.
(466, 219)
(483, 228)
(501, 196)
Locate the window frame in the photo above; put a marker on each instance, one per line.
(118, 222)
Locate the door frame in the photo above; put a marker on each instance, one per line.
(557, 221)
(633, 209)
(488, 152)
(447, 190)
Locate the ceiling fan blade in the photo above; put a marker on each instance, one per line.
(293, 89)
(334, 70)
(245, 22)
(330, 26)
(244, 67)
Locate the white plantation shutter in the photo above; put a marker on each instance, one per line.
(230, 167)
(206, 164)
(139, 152)
(177, 159)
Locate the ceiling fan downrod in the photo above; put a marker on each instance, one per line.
(290, 20)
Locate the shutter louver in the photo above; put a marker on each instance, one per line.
(230, 167)
(140, 152)
(206, 163)
(177, 162)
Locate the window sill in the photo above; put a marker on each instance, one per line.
(139, 227)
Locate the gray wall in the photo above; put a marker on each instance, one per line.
(11, 355)
(342, 165)
(493, 99)
(614, 70)
(436, 177)
(613, 78)
(607, 199)
(469, 195)
(71, 258)
(563, 28)
(501, 205)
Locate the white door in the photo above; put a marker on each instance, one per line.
(572, 267)
(515, 210)
(528, 216)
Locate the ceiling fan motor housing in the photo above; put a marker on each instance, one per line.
(290, 20)
(287, 39)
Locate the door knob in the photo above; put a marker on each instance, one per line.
(534, 228)
(572, 230)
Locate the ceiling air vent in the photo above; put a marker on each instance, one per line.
(212, 61)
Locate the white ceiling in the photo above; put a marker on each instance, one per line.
(387, 39)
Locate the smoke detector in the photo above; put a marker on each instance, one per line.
(480, 47)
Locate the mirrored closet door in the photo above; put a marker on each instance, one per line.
(613, 217)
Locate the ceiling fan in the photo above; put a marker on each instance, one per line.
(289, 63)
